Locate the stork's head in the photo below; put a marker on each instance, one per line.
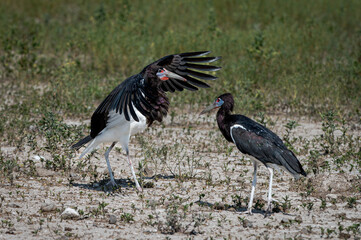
(163, 74)
(225, 101)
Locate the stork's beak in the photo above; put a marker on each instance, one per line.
(209, 108)
(164, 75)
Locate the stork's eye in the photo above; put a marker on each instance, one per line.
(160, 70)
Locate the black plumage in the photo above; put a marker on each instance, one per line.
(255, 140)
(141, 99)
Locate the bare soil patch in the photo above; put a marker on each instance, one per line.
(196, 185)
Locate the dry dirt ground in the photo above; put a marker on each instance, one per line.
(196, 186)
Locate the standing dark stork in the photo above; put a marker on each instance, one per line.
(141, 99)
(255, 140)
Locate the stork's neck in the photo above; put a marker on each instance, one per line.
(223, 116)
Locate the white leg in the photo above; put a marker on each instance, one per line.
(269, 202)
(112, 181)
(254, 182)
(133, 172)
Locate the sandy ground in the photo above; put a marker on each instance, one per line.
(207, 199)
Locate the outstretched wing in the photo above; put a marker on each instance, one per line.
(127, 95)
(131, 92)
(188, 65)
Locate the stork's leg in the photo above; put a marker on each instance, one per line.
(269, 202)
(112, 181)
(133, 172)
(254, 182)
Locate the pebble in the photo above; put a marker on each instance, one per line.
(232, 209)
(112, 219)
(38, 158)
(240, 179)
(75, 176)
(247, 224)
(13, 205)
(343, 235)
(148, 185)
(151, 230)
(70, 213)
(219, 206)
(47, 207)
(284, 220)
(298, 219)
(11, 231)
(147, 172)
(68, 229)
(304, 231)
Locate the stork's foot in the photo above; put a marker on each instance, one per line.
(268, 211)
(139, 189)
(111, 185)
(249, 211)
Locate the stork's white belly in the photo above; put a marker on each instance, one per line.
(118, 129)
(136, 127)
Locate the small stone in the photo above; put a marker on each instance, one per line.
(75, 176)
(68, 229)
(284, 221)
(148, 185)
(11, 231)
(343, 235)
(298, 219)
(341, 215)
(150, 230)
(305, 231)
(232, 209)
(112, 219)
(70, 213)
(47, 207)
(147, 172)
(247, 224)
(38, 158)
(13, 205)
(219, 206)
(240, 179)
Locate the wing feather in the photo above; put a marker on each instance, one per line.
(266, 149)
(174, 85)
(188, 65)
(196, 82)
(131, 92)
(123, 100)
(201, 60)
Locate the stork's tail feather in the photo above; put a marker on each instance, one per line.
(296, 165)
(95, 142)
(289, 160)
(79, 144)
